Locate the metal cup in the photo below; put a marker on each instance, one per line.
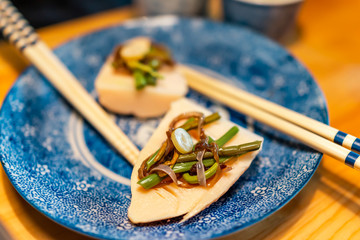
(274, 19)
(177, 7)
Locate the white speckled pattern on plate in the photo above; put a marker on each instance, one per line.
(62, 167)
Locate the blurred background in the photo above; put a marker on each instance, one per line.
(41, 13)
(273, 18)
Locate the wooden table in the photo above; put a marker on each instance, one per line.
(328, 44)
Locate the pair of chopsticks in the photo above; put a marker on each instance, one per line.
(18, 32)
(309, 131)
(315, 134)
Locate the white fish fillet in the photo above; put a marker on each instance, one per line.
(117, 92)
(172, 201)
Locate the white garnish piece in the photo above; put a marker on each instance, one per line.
(182, 140)
(135, 49)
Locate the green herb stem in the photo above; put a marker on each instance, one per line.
(208, 174)
(143, 67)
(150, 181)
(227, 136)
(186, 166)
(153, 179)
(150, 80)
(224, 152)
(180, 167)
(140, 81)
(151, 160)
(189, 125)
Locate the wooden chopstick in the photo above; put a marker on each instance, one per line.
(22, 35)
(312, 125)
(267, 113)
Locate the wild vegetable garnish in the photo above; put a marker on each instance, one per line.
(143, 59)
(178, 160)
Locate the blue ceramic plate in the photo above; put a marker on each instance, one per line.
(66, 170)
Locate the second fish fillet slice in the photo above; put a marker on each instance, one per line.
(171, 201)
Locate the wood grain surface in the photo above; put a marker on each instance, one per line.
(327, 41)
